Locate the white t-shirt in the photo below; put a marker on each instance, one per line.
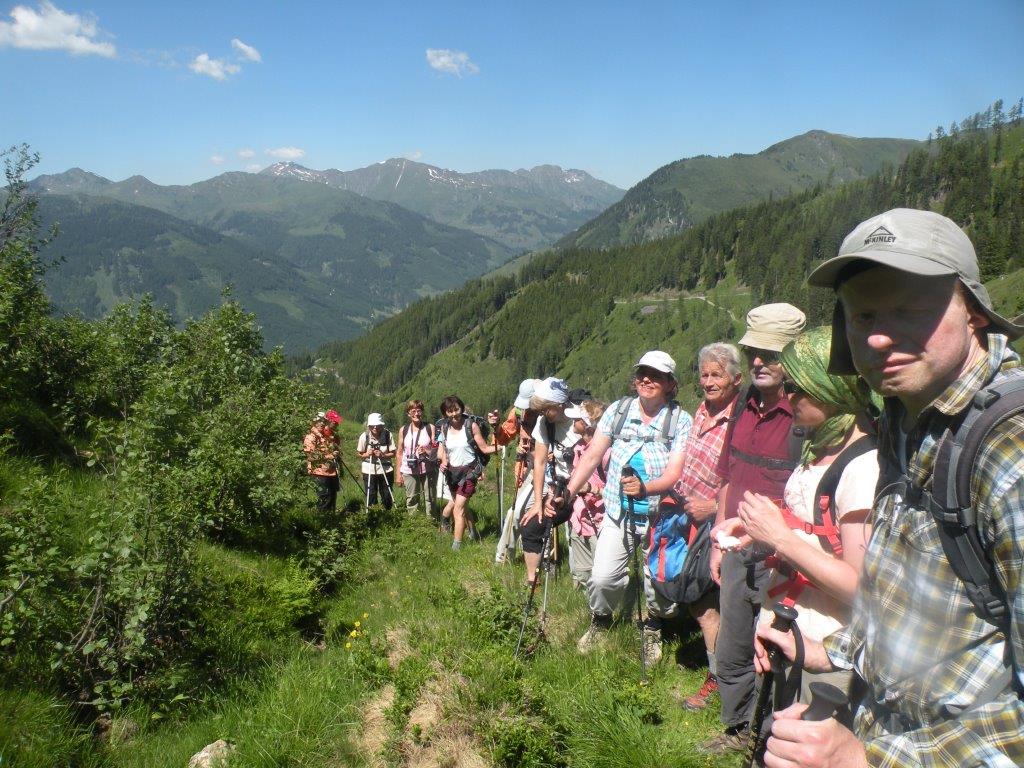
(376, 466)
(565, 438)
(821, 614)
(456, 443)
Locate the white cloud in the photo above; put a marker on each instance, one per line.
(414, 155)
(253, 167)
(286, 153)
(218, 69)
(453, 62)
(247, 52)
(245, 154)
(217, 159)
(49, 28)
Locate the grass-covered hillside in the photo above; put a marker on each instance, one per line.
(688, 191)
(587, 313)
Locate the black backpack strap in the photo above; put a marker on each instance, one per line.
(830, 482)
(949, 498)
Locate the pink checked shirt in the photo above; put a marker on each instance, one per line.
(703, 450)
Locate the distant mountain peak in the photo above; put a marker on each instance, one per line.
(291, 170)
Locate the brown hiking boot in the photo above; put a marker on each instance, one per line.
(730, 741)
(699, 700)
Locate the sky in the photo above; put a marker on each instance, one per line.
(180, 92)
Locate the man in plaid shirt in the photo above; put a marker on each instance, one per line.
(700, 481)
(941, 686)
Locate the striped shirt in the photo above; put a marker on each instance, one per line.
(700, 476)
(643, 439)
(914, 636)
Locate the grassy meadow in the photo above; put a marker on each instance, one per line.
(408, 662)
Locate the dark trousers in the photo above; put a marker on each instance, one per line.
(740, 606)
(326, 492)
(378, 489)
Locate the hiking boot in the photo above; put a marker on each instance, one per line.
(596, 634)
(456, 546)
(699, 700)
(733, 740)
(652, 646)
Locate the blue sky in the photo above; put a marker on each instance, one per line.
(617, 89)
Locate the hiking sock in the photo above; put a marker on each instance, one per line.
(712, 665)
(456, 545)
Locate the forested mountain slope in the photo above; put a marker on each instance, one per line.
(330, 261)
(522, 209)
(686, 192)
(587, 313)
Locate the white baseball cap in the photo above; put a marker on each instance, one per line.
(659, 361)
(553, 390)
(375, 420)
(526, 389)
(577, 412)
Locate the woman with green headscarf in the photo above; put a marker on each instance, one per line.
(819, 537)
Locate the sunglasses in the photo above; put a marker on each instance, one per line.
(766, 356)
(650, 374)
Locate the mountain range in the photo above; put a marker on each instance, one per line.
(688, 191)
(327, 262)
(322, 255)
(523, 209)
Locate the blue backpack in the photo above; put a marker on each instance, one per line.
(680, 569)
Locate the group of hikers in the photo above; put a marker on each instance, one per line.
(846, 527)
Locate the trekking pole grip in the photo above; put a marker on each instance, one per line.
(785, 616)
(825, 700)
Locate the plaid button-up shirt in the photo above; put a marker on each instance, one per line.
(700, 476)
(914, 636)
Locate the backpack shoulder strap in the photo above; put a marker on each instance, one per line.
(670, 423)
(621, 412)
(825, 511)
(949, 499)
(549, 428)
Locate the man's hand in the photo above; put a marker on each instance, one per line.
(398, 480)
(492, 419)
(700, 510)
(822, 744)
(716, 565)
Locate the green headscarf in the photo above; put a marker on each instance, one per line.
(806, 362)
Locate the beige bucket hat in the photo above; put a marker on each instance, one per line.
(773, 326)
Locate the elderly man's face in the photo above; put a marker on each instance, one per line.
(910, 336)
(718, 386)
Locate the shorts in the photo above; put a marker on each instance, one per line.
(532, 533)
(462, 480)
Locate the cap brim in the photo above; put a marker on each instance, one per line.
(825, 274)
(654, 367)
(522, 402)
(756, 340)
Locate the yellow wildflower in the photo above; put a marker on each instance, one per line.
(358, 625)
(348, 645)
(366, 615)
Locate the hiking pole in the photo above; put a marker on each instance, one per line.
(501, 485)
(826, 700)
(785, 619)
(627, 472)
(545, 542)
(378, 462)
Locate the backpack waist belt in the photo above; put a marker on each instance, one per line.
(764, 462)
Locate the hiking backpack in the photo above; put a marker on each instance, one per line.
(679, 552)
(948, 499)
(668, 424)
(469, 418)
